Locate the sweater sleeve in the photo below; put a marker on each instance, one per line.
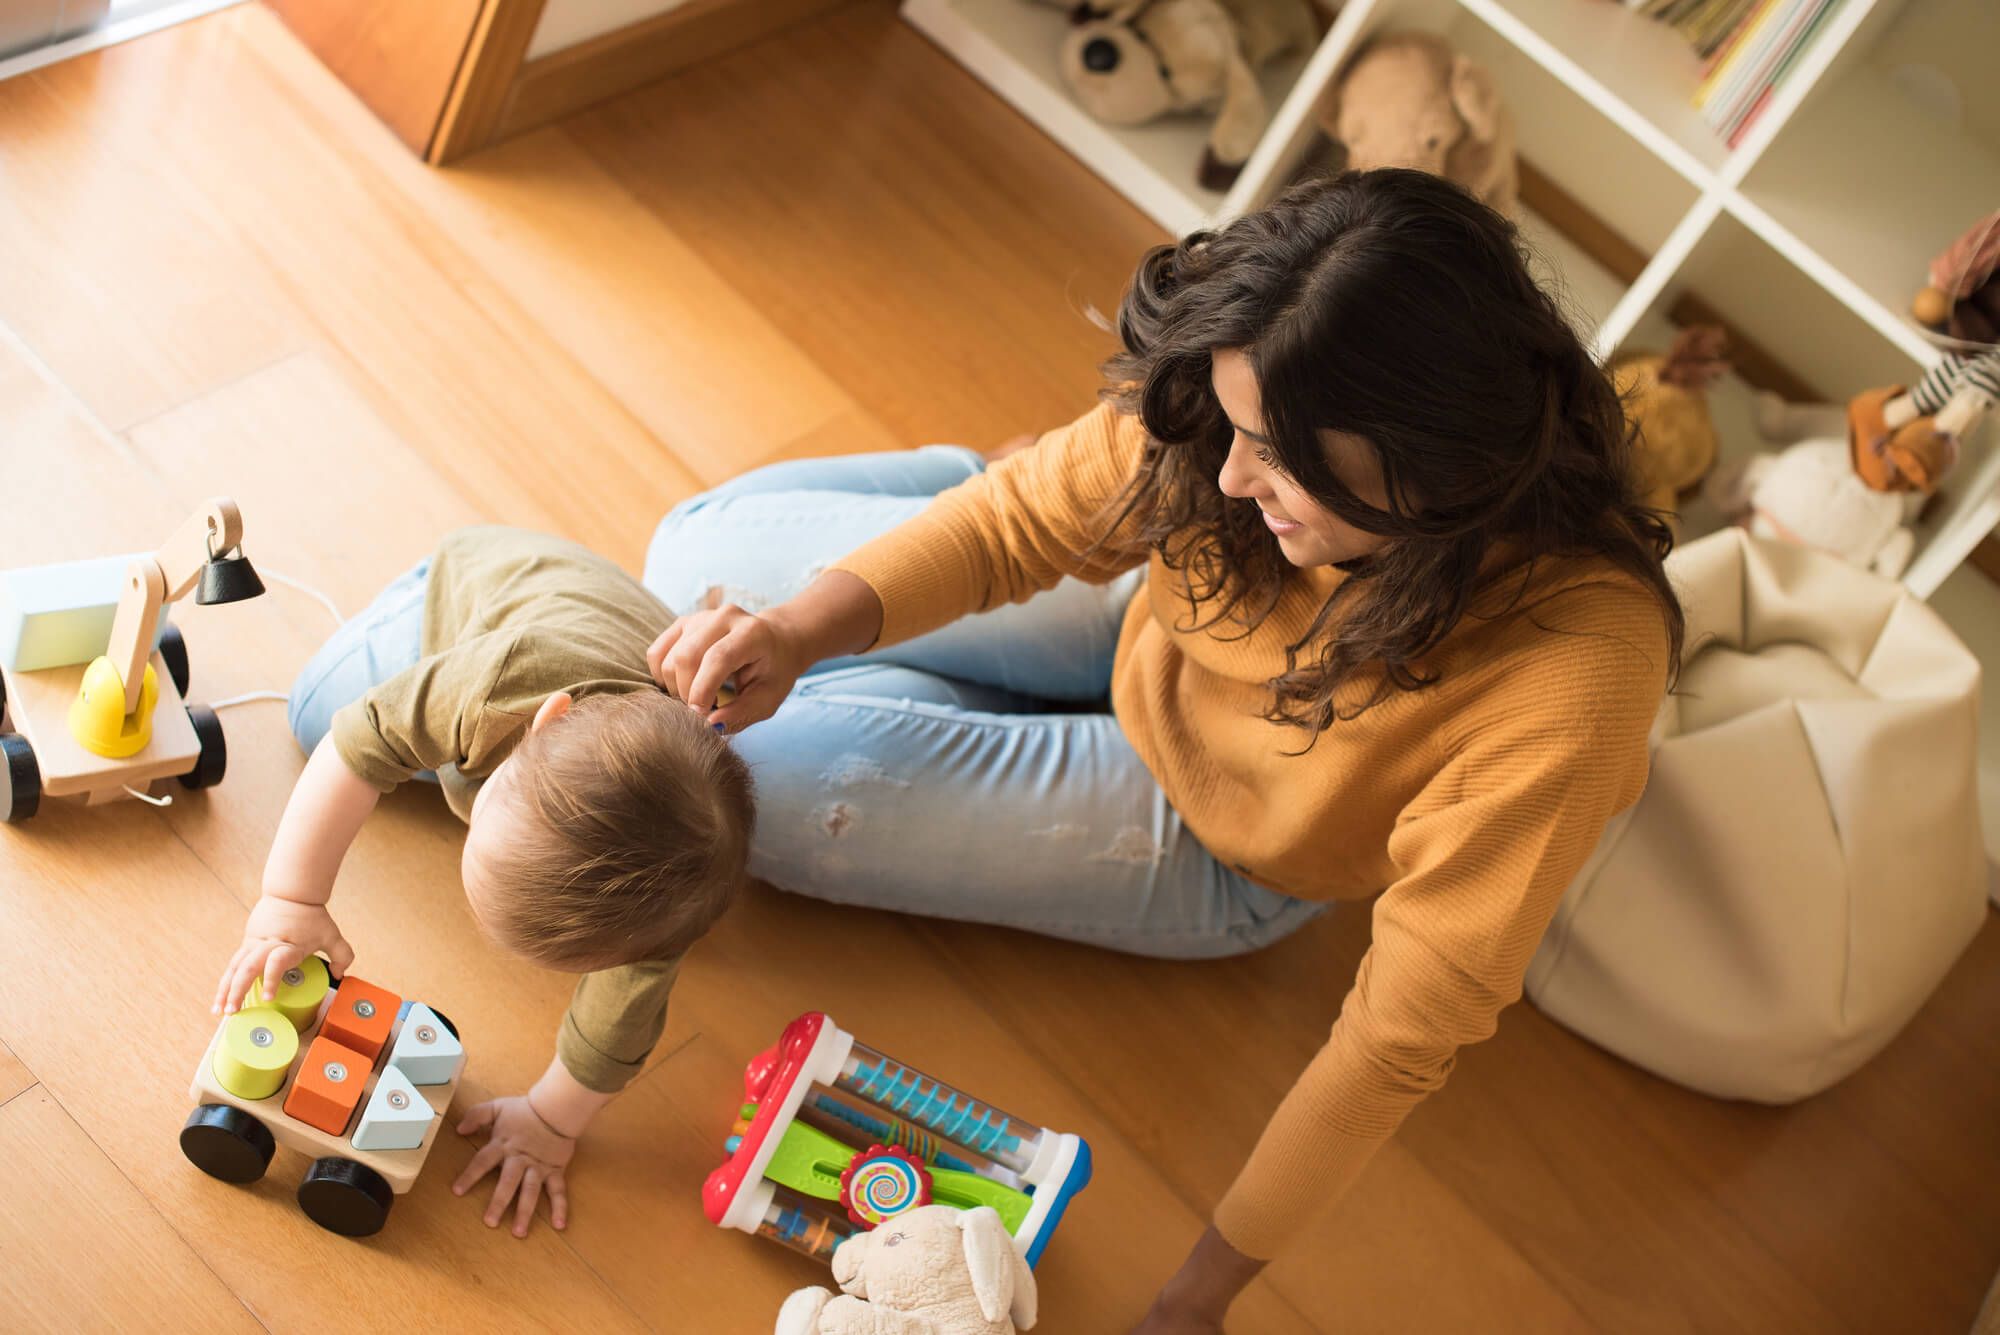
(1483, 856)
(614, 1022)
(1051, 510)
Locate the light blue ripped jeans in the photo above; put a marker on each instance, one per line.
(973, 773)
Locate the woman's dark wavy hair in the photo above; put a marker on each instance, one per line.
(1392, 305)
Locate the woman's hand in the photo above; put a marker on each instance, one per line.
(699, 653)
(531, 1156)
(1170, 1318)
(277, 935)
(1198, 1296)
(763, 656)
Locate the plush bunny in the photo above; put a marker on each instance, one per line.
(1409, 100)
(934, 1270)
(1132, 61)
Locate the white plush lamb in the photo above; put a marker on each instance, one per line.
(932, 1271)
(1810, 493)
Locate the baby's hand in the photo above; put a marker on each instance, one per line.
(278, 934)
(530, 1154)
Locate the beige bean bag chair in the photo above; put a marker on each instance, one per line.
(1806, 861)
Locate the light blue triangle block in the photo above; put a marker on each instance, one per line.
(425, 1050)
(396, 1117)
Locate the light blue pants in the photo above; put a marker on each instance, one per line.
(384, 639)
(973, 773)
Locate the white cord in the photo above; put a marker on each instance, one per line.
(249, 696)
(147, 797)
(306, 589)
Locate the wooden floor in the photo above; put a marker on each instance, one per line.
(218, 273)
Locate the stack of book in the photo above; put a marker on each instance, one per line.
(1747, 46)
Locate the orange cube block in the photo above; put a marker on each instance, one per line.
(361, 1016)
(331, 1081)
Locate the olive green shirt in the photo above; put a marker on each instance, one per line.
(510, 618)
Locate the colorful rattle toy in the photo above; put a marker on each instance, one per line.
(834, 1138)
(92, 676)
(255, 1090)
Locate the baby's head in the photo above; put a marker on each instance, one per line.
(618, 830)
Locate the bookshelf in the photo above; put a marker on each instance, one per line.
(1853, 176)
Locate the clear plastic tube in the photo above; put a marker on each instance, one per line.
(858, 1124)
(812, 1228)
(937, 1107)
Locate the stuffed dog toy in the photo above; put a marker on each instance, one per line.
(1409, 100)
(1131, 61)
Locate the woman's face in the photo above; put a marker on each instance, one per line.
(1308, 534)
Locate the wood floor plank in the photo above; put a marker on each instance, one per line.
(81, 1249)
(481, 392)
(14, 1075)
(937, 263)
(116, 272)
(704, 369)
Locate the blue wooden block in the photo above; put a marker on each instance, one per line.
(396, 1116)
(425, 1050)
(53, 616)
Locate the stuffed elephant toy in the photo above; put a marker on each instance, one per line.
(1409, 100)
(934, 1270)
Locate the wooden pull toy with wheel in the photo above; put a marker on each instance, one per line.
(92, 678)
(354, 1077)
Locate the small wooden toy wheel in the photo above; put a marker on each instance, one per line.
(20, 779)
(174, 649)
(345, 1197)
(214, 757)
(227, 1143)
(445, 1020)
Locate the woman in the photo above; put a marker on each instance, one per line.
(1353, 546)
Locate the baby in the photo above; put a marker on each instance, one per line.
(607, 826)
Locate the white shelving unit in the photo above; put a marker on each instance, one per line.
(1845, 182)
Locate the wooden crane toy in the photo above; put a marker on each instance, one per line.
(93, 679)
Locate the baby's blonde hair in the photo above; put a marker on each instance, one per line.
(631, 837)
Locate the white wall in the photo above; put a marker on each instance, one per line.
(567, 22)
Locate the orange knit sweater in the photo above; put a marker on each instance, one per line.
(1468, 805)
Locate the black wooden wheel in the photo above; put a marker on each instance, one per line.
(345, 1197)
(174, 649)
(445, 1020)
(227, 1143)
(214, 757)
(20, 779)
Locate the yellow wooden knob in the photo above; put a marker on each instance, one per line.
(300, 992)
(256, 1049)
(97, 717)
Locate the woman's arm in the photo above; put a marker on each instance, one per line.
(1485, 853)
(763, 656)
(1015, 530)
(1020, 527)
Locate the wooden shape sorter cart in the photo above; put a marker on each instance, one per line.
(345, 1072)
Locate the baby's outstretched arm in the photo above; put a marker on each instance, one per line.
(290, 920)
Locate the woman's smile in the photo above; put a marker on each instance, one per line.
(1279, 525)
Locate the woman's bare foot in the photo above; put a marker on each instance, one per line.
(1012, 445)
